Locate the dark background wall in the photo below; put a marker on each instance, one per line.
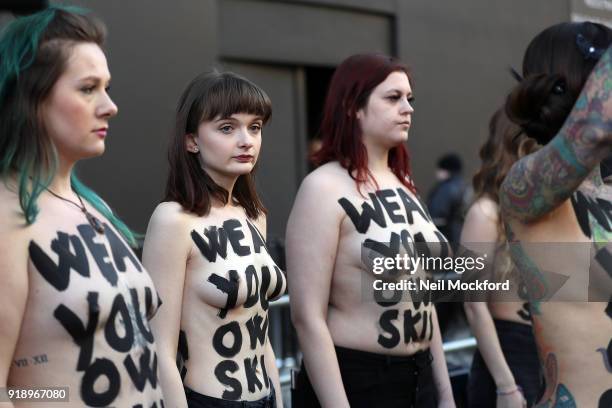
(459, 52)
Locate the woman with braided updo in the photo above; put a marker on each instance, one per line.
(556, 205)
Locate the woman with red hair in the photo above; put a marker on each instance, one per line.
(362, 352)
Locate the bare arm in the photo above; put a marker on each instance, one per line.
(540, 182)
(312, 239)
(165, 253)
(481, 226)
(440, 370)
(13, 291)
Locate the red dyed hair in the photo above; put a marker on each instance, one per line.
(349, 90)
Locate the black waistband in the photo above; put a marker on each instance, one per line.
(512, 326)
(419, 359)
(206, 401)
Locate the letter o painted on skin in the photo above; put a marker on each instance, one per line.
(222, 349)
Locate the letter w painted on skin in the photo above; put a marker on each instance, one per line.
(217, 243)
(369, 213)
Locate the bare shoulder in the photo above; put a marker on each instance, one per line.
(328, 181)
(12, 220)
(484, 210)
(481, 222)
(170, 214)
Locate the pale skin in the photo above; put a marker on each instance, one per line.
(568, 334)
(324, 255)
(37, 348)
(192, 303)
(481, 227)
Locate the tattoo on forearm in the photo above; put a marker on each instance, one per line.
(541, 181)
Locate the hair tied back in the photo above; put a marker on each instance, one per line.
(588, 49)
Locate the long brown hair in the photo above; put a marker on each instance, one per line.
(505, 145)
(207, 97)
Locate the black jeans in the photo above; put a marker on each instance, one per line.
(519, 348)
(376, 380)
(197, 400)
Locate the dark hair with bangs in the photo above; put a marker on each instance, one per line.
(208, 97)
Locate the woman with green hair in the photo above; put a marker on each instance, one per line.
(75, 301)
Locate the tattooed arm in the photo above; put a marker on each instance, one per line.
(480, 230)
(14, 288)
(312, 240)
(543, 180)
(165, 253)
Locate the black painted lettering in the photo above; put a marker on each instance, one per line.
(424, 328)
(81, 335)
(280, 280)
(257, 328)
(143, 327)
(368, 214)
(182, 354)
(216, 245)
(147, 371)
(90, 394)
(393, 299)
(444, 246)
(252, 281)
(250, 369)
(390, 206)
(232, 328)
(235, 388)
(227, 286)
(263, 288)
(386, 324)
(599, 209)
(410, 322)
(421, 246)
(99, 253)
(235, 235)
(58, 274)
(264, 371)
(604, 257)
(258, 240)
(605, 401)
(431, 325)
(411, 206)
(114, 339)
(120, 251)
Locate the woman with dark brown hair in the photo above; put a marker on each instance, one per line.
(556, 204)
(359, 351)
(505, 369)
(74, 300)
(205, 247)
